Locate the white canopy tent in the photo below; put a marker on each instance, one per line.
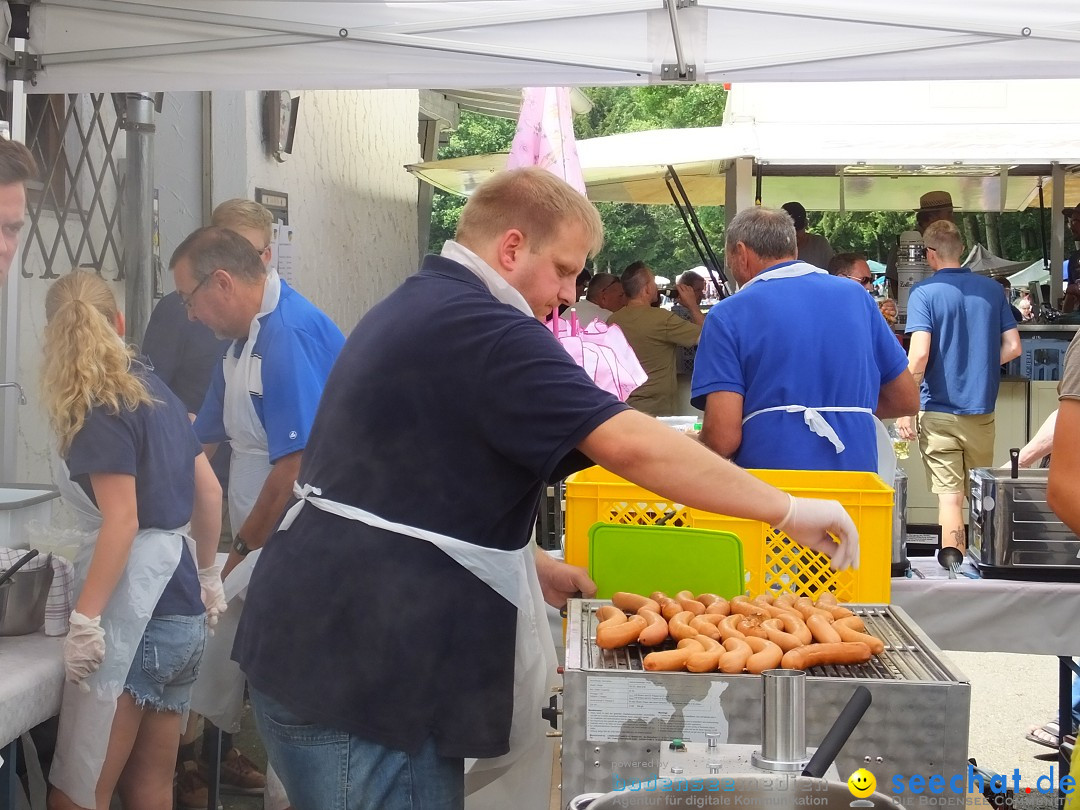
(841, 146)
(134, 45)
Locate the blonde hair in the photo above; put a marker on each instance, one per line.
(531, 200)
(944, 237)
(239, 213)
(86, 363)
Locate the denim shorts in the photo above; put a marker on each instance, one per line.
(166, 663)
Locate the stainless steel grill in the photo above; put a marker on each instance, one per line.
(616, 713)
(908, 655)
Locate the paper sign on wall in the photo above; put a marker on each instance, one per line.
(284, 258)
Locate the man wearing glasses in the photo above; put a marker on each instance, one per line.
(853, 266)
(262, 399)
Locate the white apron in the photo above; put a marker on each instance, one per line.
(218, 693)
(511, 574)
(811, 415)
(86, 718)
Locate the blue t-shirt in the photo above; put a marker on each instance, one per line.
(296, 347)
(155, 444)
(448, 411)
(965, 315)
(815, 340)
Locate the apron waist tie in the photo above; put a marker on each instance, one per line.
(814, 420)
(494, 569)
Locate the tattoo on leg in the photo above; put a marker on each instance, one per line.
(959, 539)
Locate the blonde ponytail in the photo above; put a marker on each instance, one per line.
(86, 362)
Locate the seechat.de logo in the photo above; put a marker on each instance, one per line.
(861, 783)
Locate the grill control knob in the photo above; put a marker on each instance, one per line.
(714, 767)
(676, 769)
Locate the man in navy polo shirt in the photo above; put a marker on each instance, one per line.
(382, 623)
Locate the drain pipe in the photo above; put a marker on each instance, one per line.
(137, 214)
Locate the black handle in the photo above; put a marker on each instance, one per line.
(4, 577)
(1014, 457)
(838, 735)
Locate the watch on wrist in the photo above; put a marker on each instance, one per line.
(240, 547)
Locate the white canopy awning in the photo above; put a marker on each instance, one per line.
(853, 146)
(160, 45)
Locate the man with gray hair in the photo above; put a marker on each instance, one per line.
(604, 296)
(792, 370)
(654, 334)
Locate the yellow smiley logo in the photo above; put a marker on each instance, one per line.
(861, 783)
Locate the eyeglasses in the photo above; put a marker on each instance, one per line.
(931, 248)
(187, 300)
(866, 281)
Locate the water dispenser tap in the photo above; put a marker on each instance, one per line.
(22, 396)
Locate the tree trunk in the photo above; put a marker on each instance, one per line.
(971, 230)
(993, 244)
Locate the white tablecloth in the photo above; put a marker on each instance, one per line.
(991, 615)
(31, 682)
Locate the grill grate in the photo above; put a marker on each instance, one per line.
(907, 656)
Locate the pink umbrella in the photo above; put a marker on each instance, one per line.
(545, 135)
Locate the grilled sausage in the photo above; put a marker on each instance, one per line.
(619, 634)
(606, 613)
(822, 630)
(827, 599)
(679, 626)
(766, 655)
(656, 628)
(669, 607)
(718, 607)
(707, 661)
(777, 635)
(705, 627)
(734, 660)
(633, 602)
(688, 602)
(815, 655)
(727, 627)
(751, 626)
(668, 660)
(854, 622)
(876, 645)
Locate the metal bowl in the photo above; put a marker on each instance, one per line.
(765, 791)
(22, 601)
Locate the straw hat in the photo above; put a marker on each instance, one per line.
(935, 201)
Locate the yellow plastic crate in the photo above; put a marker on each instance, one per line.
(773, 563)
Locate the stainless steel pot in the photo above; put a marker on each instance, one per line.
(900, 562)
(22, 600)
(771, 791)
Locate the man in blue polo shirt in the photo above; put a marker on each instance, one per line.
(262, 399)
(398, 611)
(961, 332)
(793, 368)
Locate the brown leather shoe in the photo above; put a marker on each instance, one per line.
(240, 775)
(192, 792)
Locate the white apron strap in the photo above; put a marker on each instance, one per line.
(503, 571)
(814, 420)
(511, 574)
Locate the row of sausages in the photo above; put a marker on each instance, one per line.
(743, 634)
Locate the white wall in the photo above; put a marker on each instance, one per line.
(352, 203)
(350, 200)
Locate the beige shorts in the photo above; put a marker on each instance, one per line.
(952, 446)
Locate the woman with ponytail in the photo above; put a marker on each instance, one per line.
(128, 463)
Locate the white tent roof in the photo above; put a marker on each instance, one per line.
(981, 260)
(114, 45)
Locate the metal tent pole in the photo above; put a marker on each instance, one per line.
(137, 214)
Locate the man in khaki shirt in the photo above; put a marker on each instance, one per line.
(654, 334)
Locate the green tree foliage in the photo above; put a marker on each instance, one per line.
(653, 233)
(656, 233)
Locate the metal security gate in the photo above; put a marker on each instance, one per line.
(74, 213)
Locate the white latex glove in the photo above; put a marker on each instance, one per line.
(810, 522)
(213, 594)
(84, 648)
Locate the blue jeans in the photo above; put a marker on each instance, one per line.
(326, 769)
